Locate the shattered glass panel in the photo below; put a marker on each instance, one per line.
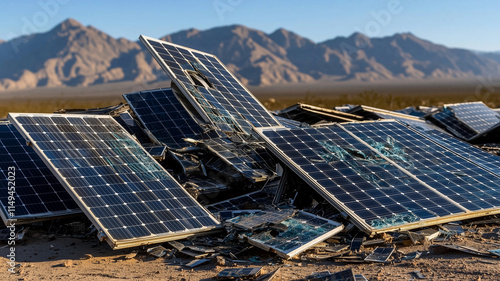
(38, 194)
(380, 254)
(164, 116)
(242, 157)
(215, 92)
(253, 200)
(303, 231)
(122, 189)
(358, 179)
(469, 185)
(252, 221)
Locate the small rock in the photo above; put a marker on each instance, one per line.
(221, 261)
(87, 257)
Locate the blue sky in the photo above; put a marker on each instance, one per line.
(464, 24)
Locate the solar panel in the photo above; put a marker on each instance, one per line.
(476, 115)
(376, 194)
(127, 195)
(300, 232)
(217, 95)
(164, 116)
(447, 120)
(467, 120)
(243, 159)
(469, 185)
(36, 192)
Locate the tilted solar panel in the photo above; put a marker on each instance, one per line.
(469, 121)
(376, 194)
(476, 115)
(126, 194)
(447, 120)
(164, 116)
(467, 184)
(36, 192)
(217, 95)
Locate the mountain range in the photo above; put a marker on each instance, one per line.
(71, 54)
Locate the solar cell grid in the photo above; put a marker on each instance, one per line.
(38, 194)
(211, 86)
(478, 156)
(448, 120)
(355, 178)
(460, 180)
(476, 115)
(164, 116)
(123, 190)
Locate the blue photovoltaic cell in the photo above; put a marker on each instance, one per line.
(476, 115)
(355, 179)
(123, 190)
(217, 94)
(466, 120)
(164, 116)
(478, 156)
(446, 119)
(38, 194)
(458, 179)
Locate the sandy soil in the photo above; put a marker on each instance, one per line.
(42, 257)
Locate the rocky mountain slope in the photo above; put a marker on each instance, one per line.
(75, 55)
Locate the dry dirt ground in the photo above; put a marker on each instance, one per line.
(42, 257)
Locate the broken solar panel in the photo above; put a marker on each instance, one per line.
(313, 114)
(254, 200)
(244, 158)
(469, 185)
(300, 232)
(127, 195)
(211, 88)
(467, 121)
(163, 115)
(394, 178)
(38, 194)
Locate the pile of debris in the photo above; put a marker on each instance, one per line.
(204, 157)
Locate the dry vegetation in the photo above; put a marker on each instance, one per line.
(274, 100)
(381, 100)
